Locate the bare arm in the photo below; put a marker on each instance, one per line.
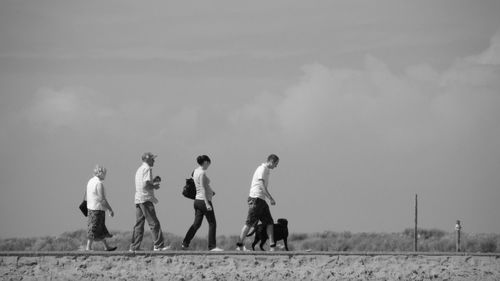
(206, 190)
(104, 201)
(266, 191)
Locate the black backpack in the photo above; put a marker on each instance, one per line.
(189, 190)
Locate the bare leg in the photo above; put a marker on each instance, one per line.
(244, 232)
(270, 233)
(106, 246)
(89, 245)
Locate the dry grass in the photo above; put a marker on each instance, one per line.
(430, 240)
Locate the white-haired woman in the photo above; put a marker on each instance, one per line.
(97, 206)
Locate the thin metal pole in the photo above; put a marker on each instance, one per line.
(415, 232)
(458, 228)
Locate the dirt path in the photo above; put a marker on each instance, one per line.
(228, 266)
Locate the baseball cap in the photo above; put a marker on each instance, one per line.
(148, 155)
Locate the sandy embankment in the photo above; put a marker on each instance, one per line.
(231, 267)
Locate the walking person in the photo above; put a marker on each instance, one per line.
(258, 209)
(97, 205)
(145, 185)
(203, 206)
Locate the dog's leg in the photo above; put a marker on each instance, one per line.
(262, 243)
(254, 243)
(286, 243)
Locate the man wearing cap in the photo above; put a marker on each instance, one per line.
(145, 187)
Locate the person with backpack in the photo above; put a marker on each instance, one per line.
(203, 206)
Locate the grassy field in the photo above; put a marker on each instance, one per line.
(431, 240)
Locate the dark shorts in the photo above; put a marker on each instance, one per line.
(96, 226)
(258, 210)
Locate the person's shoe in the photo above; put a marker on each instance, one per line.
(184, 247)
(216, 249)
(272, 248)
(242, 249)
(111, 249)
(158, 249)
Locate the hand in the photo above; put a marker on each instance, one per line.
(273, 202)
(111, 213)
(156, 185)
(157, 179)
(209, 207)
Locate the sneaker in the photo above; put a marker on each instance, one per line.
(242, 249)
(272, 248)
(184, 247)
(216, 249)
(111, 249)
(161, 248)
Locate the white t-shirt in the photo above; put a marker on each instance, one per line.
(257, 188)
(95, 194)
(198, 174)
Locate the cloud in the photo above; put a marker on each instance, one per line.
(85, 113)
(375, 115)
(66, 107)
(490, 55)
(161, 54)
(365, 109)
(375, 105)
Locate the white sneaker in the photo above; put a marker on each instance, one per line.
(242, 249)
(162, 249)
(216, 249)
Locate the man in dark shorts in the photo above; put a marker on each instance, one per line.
(258, 209)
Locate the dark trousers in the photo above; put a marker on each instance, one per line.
(146, 212)
(200, 211)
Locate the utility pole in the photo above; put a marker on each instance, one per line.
(458, 228)
(415, 232)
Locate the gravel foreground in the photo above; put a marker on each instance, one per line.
(250, 267)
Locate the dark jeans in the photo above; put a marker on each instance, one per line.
(200, 210)
(146, 211)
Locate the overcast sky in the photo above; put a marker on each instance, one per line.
(365, 102)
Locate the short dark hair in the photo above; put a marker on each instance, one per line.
(273, 158)
(202, 159)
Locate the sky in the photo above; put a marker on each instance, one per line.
(367, 103)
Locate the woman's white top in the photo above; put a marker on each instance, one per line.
(198, 175)
(95, 194)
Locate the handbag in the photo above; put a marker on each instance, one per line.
(189, 190)
(83, 205)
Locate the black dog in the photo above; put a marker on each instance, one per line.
(280, 233)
